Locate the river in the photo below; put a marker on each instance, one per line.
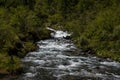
(56, 60)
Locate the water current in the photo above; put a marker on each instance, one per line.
(56, 60)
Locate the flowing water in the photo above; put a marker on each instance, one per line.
(56, 60)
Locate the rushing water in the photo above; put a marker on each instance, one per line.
(56, 60)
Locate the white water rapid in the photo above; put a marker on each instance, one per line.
(56, 60)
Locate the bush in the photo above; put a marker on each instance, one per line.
(7, 65)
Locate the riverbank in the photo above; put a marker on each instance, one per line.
(14, 49)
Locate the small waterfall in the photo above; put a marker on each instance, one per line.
(58, 33)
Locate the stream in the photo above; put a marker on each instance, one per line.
(56, 60)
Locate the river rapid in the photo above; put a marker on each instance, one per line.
(56, 60)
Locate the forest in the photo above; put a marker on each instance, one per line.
(95, 25)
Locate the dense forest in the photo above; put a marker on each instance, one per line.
(95, 25)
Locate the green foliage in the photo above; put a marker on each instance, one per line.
(103, 32)
(109, 54)
(20, 28)
(7, 65)
(55, 19)
(15, 3)
(95, 24)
